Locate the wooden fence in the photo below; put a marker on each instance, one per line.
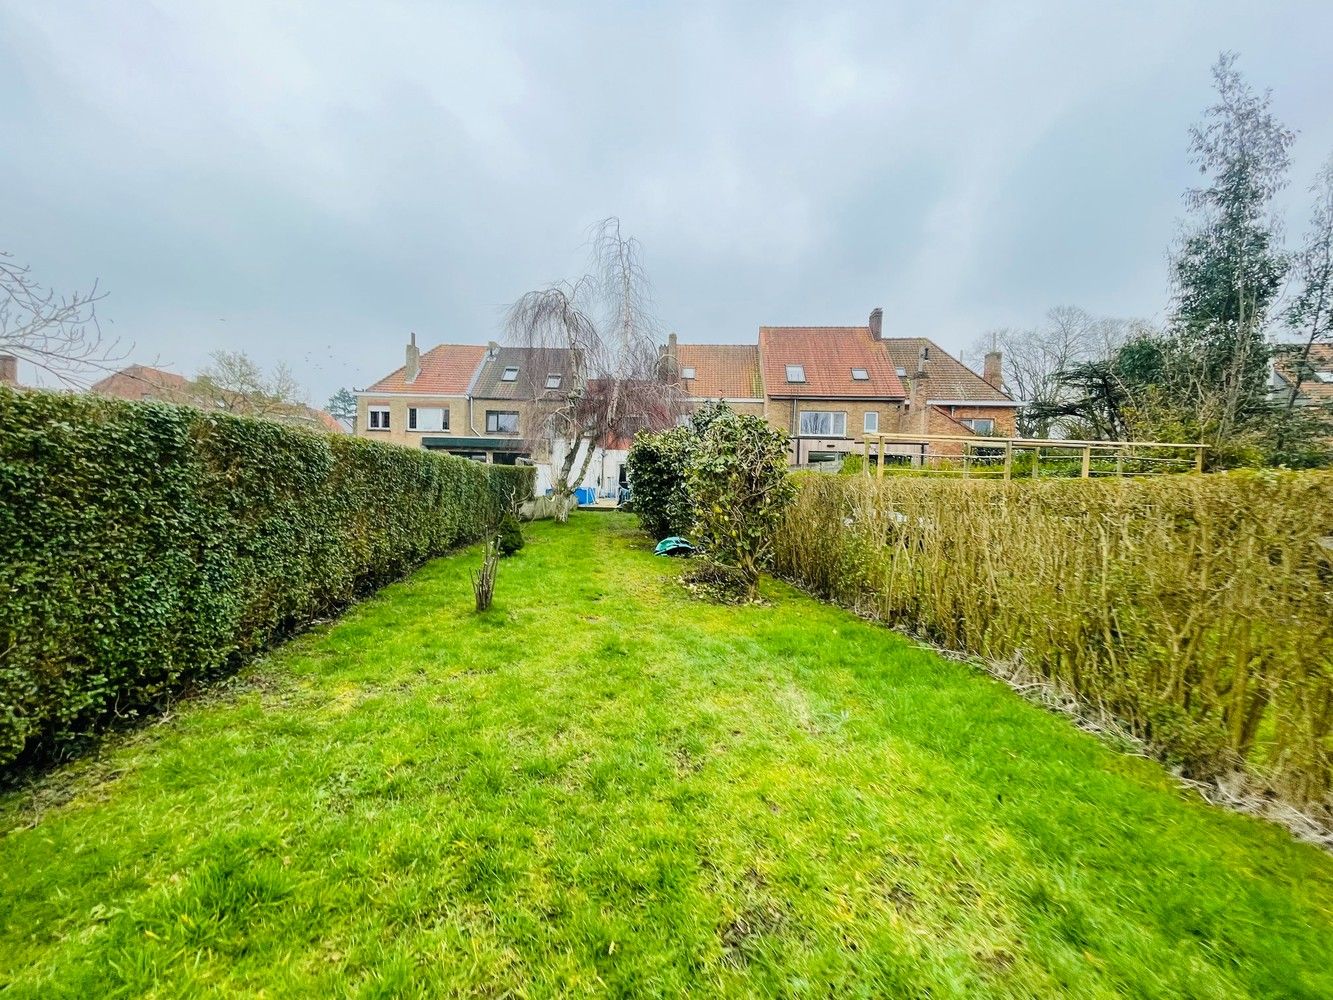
(1006, 458)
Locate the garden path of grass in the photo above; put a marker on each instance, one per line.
(604, 787)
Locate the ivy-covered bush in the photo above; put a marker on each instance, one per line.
(143, 545)
(739, 487)
(656, 468)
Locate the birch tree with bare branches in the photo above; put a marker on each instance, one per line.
(620, 380)
(57, 334)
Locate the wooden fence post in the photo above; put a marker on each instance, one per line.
(1087, 461)
(1008, 459)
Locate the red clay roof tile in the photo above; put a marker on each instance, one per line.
(446, 370)
(721, 371)
(828, 354)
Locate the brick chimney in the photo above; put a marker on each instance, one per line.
(877, 323)
(993, 372)
(668, 362)
(413, 359)
(9, 369)
(917, 397)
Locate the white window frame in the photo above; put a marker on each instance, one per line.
(415, 422)
(814, 426)
(870, 422)
(380, 412)
(800, 374)
(687, 372)
(493, 426)
(860, 375)
(510, 374)
(553, 380)
(971, 422)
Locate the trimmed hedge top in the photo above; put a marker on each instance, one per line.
(146, 544)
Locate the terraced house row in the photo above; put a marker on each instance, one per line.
(825, 386)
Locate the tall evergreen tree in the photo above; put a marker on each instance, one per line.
(1230, 265)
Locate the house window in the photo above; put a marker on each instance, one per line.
(427, 418)
(509, 374)
(687, 373)
(979, 425)
(501, 422)
(902, 372)
(796, 373)
(860, 375)
(1324, 376)
(872, 422)
(552, 380)
(823, 423)
(379, 418)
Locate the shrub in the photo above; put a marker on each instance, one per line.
(656, 467)
(853, 464)
(738, 485)
(1197, 609)
(145, 545)
(510, 535)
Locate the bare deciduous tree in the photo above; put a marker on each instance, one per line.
(604, 324)
(237, 384)
(58, 334)
(1037, 361)
(1311, 312)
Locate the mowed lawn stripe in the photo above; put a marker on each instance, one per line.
(603, 786)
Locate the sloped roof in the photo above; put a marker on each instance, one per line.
(721, 371)
(946, 376)
(828, 355)
(1285, 360)
(137, 382)
(446, 370)
(534, 364)
(142, 382)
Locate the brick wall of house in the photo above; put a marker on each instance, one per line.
(398, 432)
(779, 414)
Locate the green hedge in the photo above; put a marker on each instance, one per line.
(143, 545)
(511, 484)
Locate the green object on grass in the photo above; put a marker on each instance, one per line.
(674, 546)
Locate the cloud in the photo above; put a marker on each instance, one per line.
(310, 182)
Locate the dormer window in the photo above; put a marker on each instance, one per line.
(510, 374)
(796, 373)
(860, 375)
(687, 373)
(553, 380)
(1324, 376)
(902, 372)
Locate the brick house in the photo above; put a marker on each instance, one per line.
(726, 373)
(1314, 373)
(486, 403)
(829, 386)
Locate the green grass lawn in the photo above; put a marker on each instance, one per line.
(603, 787)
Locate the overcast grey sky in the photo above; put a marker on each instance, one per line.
(309, 182)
